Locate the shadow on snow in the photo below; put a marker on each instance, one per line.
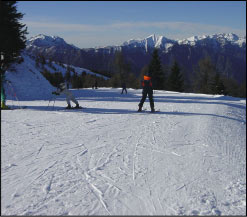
(122, 111)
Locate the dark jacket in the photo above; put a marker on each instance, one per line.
(147, 86)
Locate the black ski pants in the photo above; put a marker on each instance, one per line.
(144, 96)
(124, 89)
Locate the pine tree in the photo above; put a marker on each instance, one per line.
(13, 34)
(115, 80)
(57, 78)
(156, 72)
(75, 80)
(218, 86)
(175, 79)
(67, 75)
(204, 81)
(121, 66)
(242, 90)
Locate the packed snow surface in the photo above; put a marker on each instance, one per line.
(108, 159)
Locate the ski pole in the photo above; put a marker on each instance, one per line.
(51, 99)
(54, 103)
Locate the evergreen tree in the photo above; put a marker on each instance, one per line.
(175, 79)
(156, 72)
(204, 81)
(231, 87)
(242, 90)
(121, 66)
(46, 73)
(115, 80)
(41, 59)
(218, 86)
(57, 78)
(37, 63)
(132, 81)
(82, 78)
(75, 80)
(67, 75)
(13, 34)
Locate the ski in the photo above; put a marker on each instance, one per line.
(75, 108)
(145, 110)
(158, 110)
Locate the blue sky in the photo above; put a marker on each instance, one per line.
(101, 23)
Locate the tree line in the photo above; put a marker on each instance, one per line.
(205, 78)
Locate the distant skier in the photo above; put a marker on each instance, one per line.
(147, 90)
(95, 86)
(69, 96)
(124, 88)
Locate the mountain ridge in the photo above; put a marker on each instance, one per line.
(227, 51)
(150, 41)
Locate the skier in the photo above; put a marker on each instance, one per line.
(69, 96)
(3, 96)
(95, 86)
(147, 90)
(124, 88)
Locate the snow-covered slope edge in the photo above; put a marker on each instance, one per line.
(26, 82)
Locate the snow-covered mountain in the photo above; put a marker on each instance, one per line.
(42, 40)
(164, 43)
(151, 41)
(222, 39)
(227, 51)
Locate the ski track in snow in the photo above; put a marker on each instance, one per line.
(188, 159)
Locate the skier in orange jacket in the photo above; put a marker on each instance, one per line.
(147, 90)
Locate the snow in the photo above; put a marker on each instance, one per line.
(151, 41)
(108, 159)
(42, 40)
(36, 86)
(161, 41)
(26, 82)
(222, 38)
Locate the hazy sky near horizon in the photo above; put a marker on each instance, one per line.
(101, 23)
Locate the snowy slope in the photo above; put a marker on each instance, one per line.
(78, 70)
(108, 159)
(27, 83)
